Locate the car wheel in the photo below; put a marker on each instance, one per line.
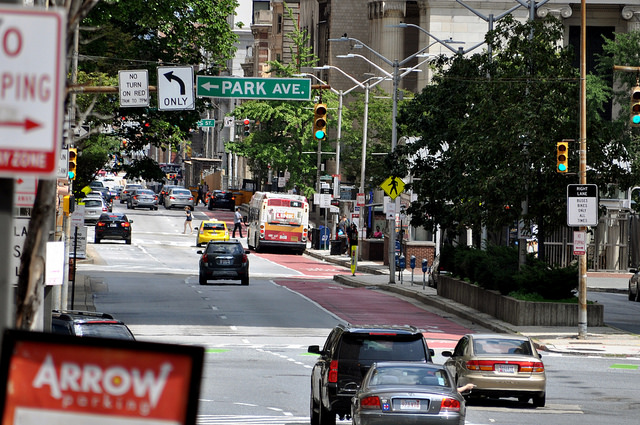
(315, 417)
(524, 399)
(128, 241)
(245, 280)
(630, 294)
(637, 298)
(210, 207)
(202, 279)
(96, 240)
(539, 400)
(327, 417)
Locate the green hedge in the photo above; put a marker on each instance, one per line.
(496, 268)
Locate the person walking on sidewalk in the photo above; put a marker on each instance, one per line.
(187, 220)
(237, 222)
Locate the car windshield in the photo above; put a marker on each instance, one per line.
(501, 346)
(213, 226)
(410, 375)
(103, 330)
(368, 348)
(225, 249)
(92, 203)
(113, 217)
(180, 192)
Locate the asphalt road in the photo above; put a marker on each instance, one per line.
(257, 369)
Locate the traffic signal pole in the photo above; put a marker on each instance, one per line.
(582, 259)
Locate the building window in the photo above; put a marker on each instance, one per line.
(279, 24)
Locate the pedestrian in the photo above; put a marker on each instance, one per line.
(352, 236)
(199, 198)
(237, 222)
(187, 220)
(377, 234)
(343, 230)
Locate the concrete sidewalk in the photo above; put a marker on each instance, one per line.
(605, 340)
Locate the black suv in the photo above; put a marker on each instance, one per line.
(346, 357)
(89, 323)
(222, 199)
(224, 260)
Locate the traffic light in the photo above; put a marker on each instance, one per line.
(635, 107)
(562, 157)
(246, 125)
(320, 121)
(73, 163)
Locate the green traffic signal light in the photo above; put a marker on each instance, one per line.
(320, 121)
(562, 157)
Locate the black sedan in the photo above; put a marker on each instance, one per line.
(113, 225)
(407, 393)
(225, 260)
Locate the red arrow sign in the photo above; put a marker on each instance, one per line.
(27, 124)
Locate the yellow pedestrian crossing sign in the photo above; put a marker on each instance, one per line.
(393, 186)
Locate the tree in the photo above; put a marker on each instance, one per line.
(282, 130)
(488, 127)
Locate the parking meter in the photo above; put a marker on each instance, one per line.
(425, 267)
(412, 264)
(402, 264)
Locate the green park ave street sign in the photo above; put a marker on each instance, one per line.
(254, 88)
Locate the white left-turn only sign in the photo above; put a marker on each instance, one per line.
(32, 60)
(175, 88)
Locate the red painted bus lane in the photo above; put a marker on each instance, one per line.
(370, 306)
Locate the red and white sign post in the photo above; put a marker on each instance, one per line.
(32, 62)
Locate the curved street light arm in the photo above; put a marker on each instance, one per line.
(384, 59)
(356, 55)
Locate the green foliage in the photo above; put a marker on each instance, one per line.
(488, 125)
(140, 34)
(496, 268)
(92, 158)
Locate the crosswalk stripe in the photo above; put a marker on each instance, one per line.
(251, 420)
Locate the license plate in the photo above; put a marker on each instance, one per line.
(113, 225)
(225, 262)
(409, 404)
(507, 368)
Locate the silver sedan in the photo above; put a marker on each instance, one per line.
(178, 198)
(407, 393)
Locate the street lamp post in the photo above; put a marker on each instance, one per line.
(395, 64)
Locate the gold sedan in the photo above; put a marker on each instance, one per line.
(499, 365)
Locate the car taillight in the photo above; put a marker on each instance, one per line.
(533, 367)
(101, 224)
(333, 371)
(126, 224)
(486, 365)
(371, 402)
(449, 405)
(104, 209)
(191, 198)
(244, 258)
(205, 258)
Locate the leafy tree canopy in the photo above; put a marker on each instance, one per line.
(487, 130)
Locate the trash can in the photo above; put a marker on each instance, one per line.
(315, 238)
(336, 247)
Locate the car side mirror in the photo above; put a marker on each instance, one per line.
(246, 251)
(199, 251)
(314, 349)
(633, 270)
(447, 354)
(431, 352)
(130, 221)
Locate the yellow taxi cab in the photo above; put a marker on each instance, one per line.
(212, 230)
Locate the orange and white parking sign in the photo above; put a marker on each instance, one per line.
(54, 379)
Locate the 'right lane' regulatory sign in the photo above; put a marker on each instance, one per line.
(582, 205)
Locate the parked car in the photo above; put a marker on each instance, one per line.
(407, 393)
(113, 225)
(499, 365)
(348, 353)
(165, 191)
(178, 198)
(212, 230)
(124, 195)
(142, 198)
(222, 199)
(634, 286)
(89, 323)
(224, 260)
(93, 208)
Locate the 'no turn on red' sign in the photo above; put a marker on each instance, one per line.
(32, 61)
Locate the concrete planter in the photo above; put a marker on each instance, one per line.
(516, 312)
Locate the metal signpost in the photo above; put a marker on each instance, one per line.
(254, 88)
